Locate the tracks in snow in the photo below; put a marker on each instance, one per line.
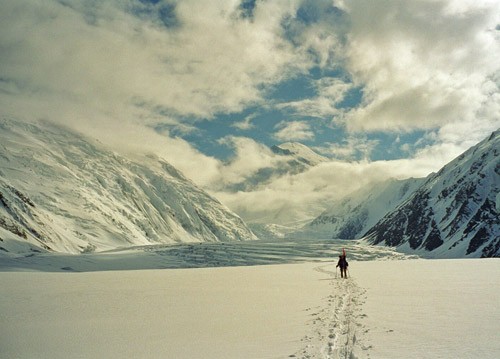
(335, 328)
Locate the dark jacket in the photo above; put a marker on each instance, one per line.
(342, 263)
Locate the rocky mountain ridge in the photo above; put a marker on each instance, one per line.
(454, 213)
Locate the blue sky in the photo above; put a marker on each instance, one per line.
(381, 88)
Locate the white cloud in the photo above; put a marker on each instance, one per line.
(350, 149)
(331, 91)
(90, 58)
(424, 64)
(293, 131)
(301, 197)
(249, 157)
(295, 198)
(107, 70)
(246, 124)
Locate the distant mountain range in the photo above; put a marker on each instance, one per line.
(62, 192)
(452, 213)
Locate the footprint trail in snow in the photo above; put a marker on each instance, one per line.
(335, 328)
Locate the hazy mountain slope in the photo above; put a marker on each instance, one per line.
(289, 158)
(455, 213)
(352, 216)
(301, 155)
(62, 192)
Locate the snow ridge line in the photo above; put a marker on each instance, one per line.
(335, 332)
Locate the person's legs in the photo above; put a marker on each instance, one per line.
(343, 271)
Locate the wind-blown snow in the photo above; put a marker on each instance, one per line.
(386, 309)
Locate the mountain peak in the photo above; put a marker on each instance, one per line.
(454, 213)
(300, 152)
(494, 134)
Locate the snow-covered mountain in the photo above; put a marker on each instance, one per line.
(62, 192)
(301, 155)
(290, 158)
(352, 216)
(455, 213)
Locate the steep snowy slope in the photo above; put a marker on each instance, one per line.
(454, 213)
(61, 192)
(351, 217)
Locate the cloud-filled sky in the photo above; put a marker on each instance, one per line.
(383, 88)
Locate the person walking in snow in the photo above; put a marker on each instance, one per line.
(342, 263)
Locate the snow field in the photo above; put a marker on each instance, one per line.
(335, 326)
(431, 308)
(123, 304)
(236, 312)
